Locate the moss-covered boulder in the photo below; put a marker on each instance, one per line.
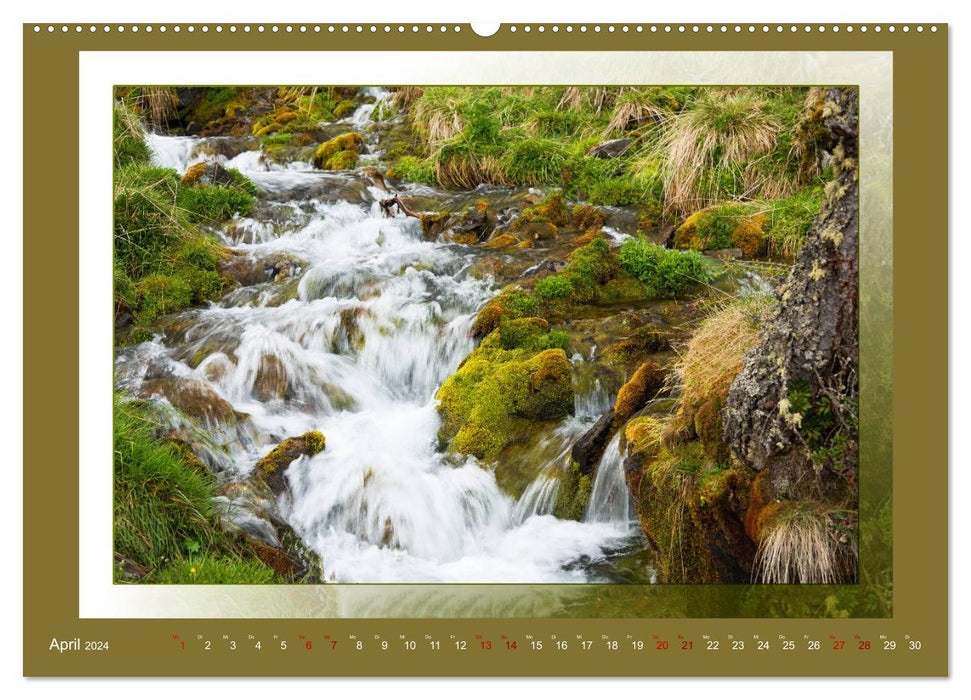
(641, 388)
(340, 153)
(498, 387)
(271, 469)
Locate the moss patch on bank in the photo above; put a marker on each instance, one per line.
(163, 261)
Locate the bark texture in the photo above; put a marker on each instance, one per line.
(810, 346)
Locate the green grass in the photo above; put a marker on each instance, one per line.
(215, 570)
(162, 261)
(163, 513)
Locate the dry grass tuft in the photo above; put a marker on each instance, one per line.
(437, 118)
(635, 108)
(796, 547)
(715, 353)
(155, 104)
(404, 96)
(700, 145)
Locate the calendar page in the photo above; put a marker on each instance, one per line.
(523, 350)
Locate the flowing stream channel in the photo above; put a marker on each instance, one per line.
(355, 345)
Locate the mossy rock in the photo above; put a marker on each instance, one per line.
(587, 217)
(641, 388)
(504, 240)
(494, 388)
(340, 153)
(553, 210)
(344, 108)
(512, 303)
(573, 495)
(195, 399)
(193, 173)
(750, 236)
(271, 468)
(535, 230)
(522, 332)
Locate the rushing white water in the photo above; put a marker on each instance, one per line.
(609, 499)
(365, 113)
(356, 349)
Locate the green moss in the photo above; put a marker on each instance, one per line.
(553, 209)
(344, 108)
(573, 495)
(269, 141)
(495, 388)
(512, 303)
(162, 294)
(340, 153)
(554, 287)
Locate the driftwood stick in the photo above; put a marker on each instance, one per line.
(388, 206)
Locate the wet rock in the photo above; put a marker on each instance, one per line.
(272, 382)
(208, 174)
(275, 267)
(272, 468)
(610, 149)
(588, 450)
(547, 266)
(194, 398)
(127, 570)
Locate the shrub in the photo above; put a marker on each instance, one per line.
(668, 272)
(554, 287)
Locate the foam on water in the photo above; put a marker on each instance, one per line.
(378, 320)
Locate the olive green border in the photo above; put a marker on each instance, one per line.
(147, 647)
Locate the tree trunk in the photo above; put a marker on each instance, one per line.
(791, 410)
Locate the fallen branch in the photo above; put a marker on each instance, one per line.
(388, 206)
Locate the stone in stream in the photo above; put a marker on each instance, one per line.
(588, 450)
(208, 174)
(247, 270)
(271, 469)
(194, 398)
(610, 149)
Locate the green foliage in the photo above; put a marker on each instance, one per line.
(818, 419)
(413, 169)
(163, 513)
(162, 294)
(554, 287)
(162, 263)
(668, 272)
(128, 138)
(215, 570)
(534, 161)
